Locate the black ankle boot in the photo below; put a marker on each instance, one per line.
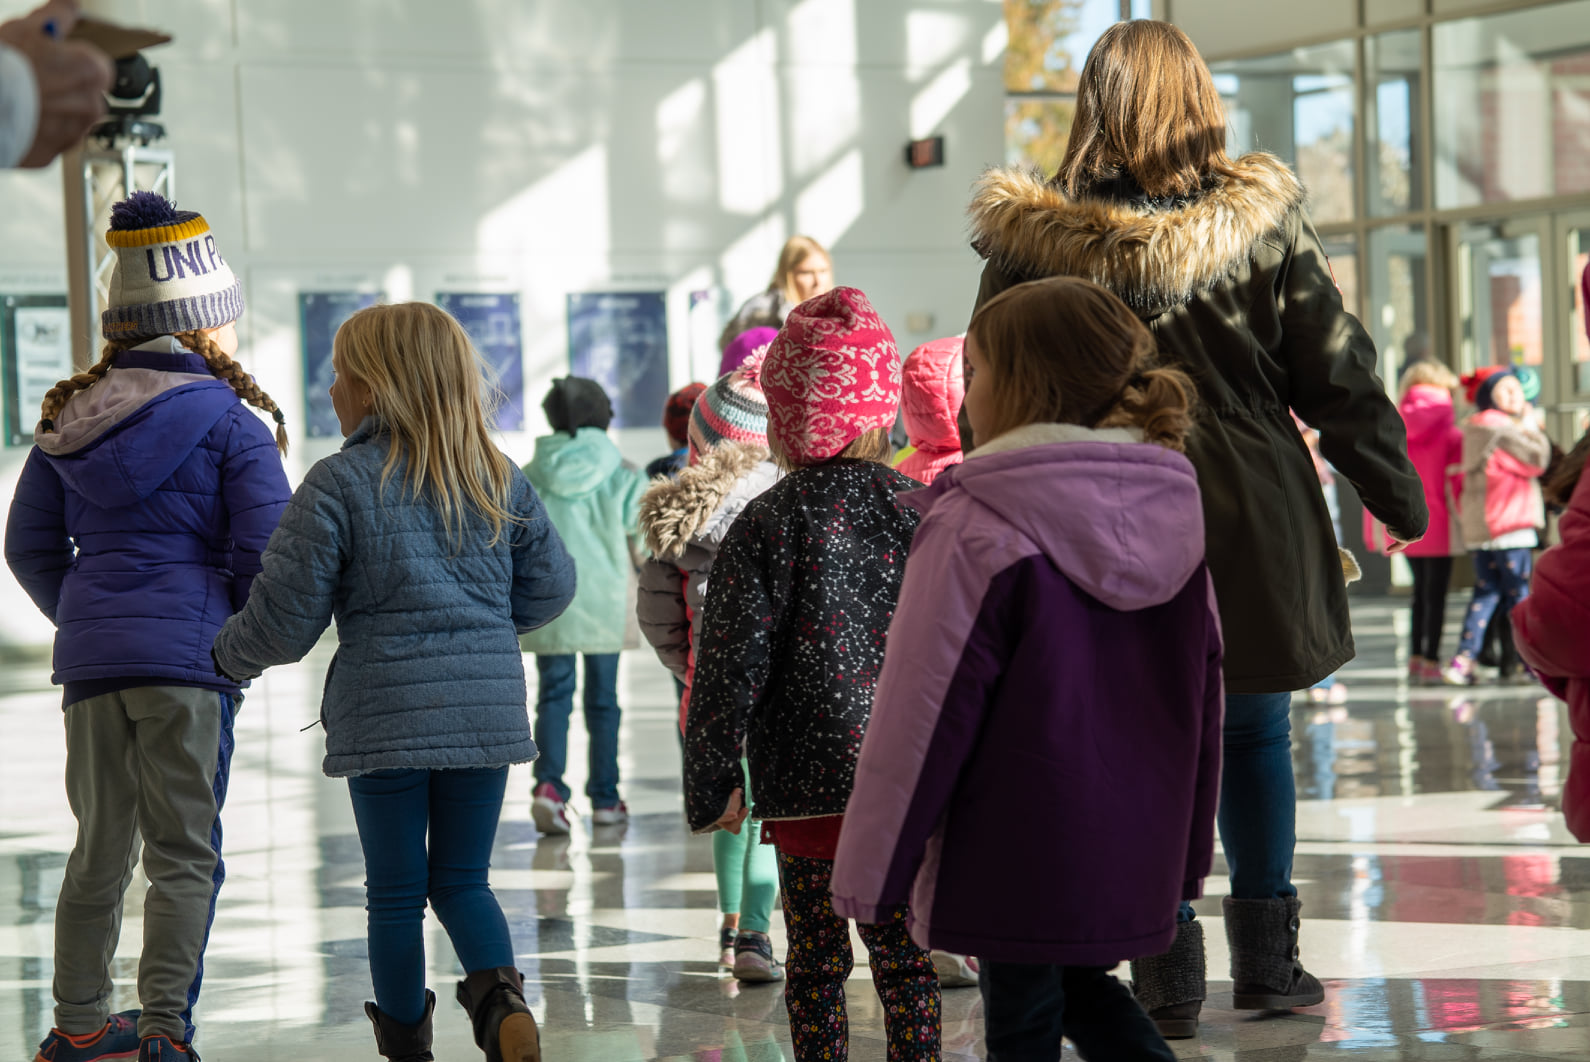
(1171, 987)
(1265, 971)
(504, 1027)
(403, 1043)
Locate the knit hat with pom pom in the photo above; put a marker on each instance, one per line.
(732, 409)
(170, 276)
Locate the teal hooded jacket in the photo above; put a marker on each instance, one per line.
(593, 498)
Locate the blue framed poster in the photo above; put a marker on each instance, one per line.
(492, 321)
(36, 351)
(320, 314)
(620, 340)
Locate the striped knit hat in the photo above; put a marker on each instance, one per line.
(732, 409)
(169, 276)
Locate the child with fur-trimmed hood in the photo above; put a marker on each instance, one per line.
(684, 521)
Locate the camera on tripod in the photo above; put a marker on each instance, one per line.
(132, 101)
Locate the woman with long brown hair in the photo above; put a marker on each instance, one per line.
(804, 271)
(1218, 257)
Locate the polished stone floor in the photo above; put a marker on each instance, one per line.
(1445, 904)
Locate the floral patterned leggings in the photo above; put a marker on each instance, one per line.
(820, 960)
(1501, 579)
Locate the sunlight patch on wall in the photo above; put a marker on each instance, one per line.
(568, 208)
(823, 32)
(938, 98)
(832, 203)
(746, 95)
(932, 38)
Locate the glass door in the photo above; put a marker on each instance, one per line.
(1571, 410)
(1500, 305)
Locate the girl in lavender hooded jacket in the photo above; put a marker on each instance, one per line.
(1049, 712)
(137, 528)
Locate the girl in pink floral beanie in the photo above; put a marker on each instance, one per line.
(797, 611)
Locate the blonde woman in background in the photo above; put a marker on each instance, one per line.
(804, 271)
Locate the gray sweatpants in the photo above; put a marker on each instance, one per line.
(152, 762)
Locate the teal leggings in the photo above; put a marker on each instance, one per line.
(747, 872)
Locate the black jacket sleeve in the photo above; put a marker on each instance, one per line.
(1330, 362)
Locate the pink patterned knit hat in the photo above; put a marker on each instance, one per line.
(831, 376)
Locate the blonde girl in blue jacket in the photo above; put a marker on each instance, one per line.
(432, 552)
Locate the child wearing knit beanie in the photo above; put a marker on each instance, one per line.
(150, 463)
(592, 496)
(676, 422)
(685, 522)
(797, 612)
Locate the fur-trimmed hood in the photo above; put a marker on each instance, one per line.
(1153, 255)
(705, 498)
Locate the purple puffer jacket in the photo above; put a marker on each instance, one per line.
(1040, 775)
(138, 524)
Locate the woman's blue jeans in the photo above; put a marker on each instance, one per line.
(1258, 797)
(459, 809)
(554, 705)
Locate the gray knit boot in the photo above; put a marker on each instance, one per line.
(1171, 986)
(1265, 971)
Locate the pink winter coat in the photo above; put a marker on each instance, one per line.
(1502, 461)
(1552, 629)
(931, 391)
(1435, 444)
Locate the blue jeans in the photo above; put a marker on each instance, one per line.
(395, 810)
(1027, 1008)
(1258, 797)
(555, 703)
(1501, 578)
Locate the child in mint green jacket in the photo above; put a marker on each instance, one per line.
(592, 496)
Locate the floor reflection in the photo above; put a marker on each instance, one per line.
(1443, 899)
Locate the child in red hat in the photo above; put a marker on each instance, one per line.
(801, 598)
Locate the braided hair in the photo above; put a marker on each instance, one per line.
(224, 367)
(220, 365)
(55, 398)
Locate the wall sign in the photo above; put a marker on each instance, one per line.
(320, 314)
(36, 354)
(492, 321)
(620, 340)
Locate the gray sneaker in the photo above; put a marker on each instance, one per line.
(753, 959)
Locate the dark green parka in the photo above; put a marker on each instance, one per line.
(1237, 290)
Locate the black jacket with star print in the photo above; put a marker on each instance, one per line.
(798, 608)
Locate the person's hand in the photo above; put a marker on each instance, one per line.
(1398, 543)
(72, 77)
(735, 814)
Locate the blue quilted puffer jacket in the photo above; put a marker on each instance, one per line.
(138, 524)
(427, 672)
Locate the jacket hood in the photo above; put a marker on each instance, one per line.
(1427, 411)
(117, 441)
(701, 502)
(572, 465)
(931, 392)
(1120, 517)
(1154, 256)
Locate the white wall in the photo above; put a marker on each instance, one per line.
(565, 145)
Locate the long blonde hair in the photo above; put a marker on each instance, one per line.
(216, 359)
(426, 382)
(1147, 107)
(796, 250)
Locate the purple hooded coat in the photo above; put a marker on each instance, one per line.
(1040, 775)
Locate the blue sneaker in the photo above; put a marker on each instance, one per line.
(159, 1048)
(118, 1039)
